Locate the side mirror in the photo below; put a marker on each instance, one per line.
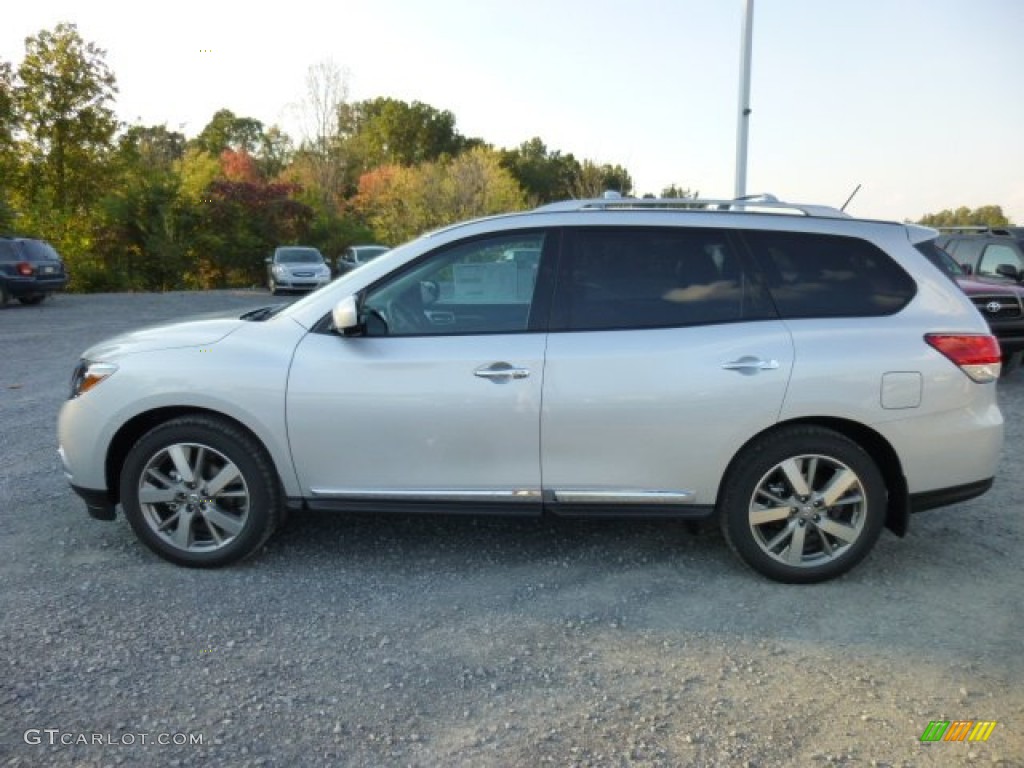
(1008, 270)
(267, 260)
(967, 268)
(345, 314)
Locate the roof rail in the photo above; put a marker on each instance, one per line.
(749, 204)
(980, 229)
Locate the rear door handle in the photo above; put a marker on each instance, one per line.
(501, 372)
(748, 364)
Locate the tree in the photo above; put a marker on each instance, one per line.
(64, 105)
(228, 131)
(139, 235)
(385, 131)
(545, 176)
(986, 215)
(593, 180)
(401, 202)
(325, 102)
(8, 149)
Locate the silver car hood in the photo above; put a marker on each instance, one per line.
(196, 332)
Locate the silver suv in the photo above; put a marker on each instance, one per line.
(801, 377)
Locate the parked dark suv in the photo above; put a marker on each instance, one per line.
(30, 270)
(987, 252)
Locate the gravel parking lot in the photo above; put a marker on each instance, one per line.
(386, 641)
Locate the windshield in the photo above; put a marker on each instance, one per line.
(299, 255)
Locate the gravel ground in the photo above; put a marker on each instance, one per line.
(478, 642)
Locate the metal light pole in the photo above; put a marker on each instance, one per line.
(743, 128)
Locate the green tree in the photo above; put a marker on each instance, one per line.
(386, 131)
(8, 149)
(141, 239)
(228, 131)
(984, 216)
(63, 103)
(545, 176)
(593, 180)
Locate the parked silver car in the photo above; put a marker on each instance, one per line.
(804, 379)
(296, 268)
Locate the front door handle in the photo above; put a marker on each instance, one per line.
(749, 365)
(501, 372)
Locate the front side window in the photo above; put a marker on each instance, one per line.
(813, 275)
(998, 255)
(616, 278)
(485, 285)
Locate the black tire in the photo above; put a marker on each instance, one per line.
(224, 524)
(764, 478)
(37, 299)
(4, 295)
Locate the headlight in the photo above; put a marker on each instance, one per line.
(88, 374)
(279, 270)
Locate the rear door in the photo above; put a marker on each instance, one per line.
(665, 356)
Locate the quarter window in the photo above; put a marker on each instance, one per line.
(812, 275)
(481, 286)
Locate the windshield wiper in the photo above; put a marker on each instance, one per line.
(263, 313)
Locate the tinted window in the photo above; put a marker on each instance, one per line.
(8, 251)
(472, 287)
(36, 250)
(940, 259)
(813, 275)
(620, 278)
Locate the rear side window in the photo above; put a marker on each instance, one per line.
(812, 275)
(621, 278)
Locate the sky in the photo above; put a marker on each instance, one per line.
(918, 101)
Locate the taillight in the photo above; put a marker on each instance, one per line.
(976, 355)
(24, 269)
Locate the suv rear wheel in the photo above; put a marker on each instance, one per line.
(803, 504)
(200, 492)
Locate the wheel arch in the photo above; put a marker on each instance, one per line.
(897, 514)
(133, 429)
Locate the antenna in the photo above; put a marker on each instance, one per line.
(850, 198)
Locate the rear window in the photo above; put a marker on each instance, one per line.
(37, 250)
(813, 275)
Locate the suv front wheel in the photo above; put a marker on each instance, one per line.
(803, 504)
(200, 492)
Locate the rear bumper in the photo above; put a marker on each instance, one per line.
(943, 497)
(24, 287)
